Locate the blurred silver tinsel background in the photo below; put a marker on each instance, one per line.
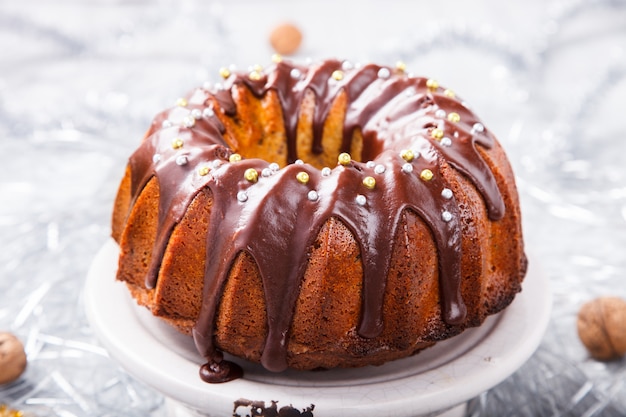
(81, 80)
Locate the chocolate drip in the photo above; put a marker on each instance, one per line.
(277, 215)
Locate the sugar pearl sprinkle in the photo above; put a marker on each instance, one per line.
(313, 196)
(370, 164)
(167, 123)
(446, 141)
(251, 175)
(235, 157)
(441, 113)
(242, 196)
(344, 158)
(177, 143)
(384, 73)
(449, 93)
(407, 168)
(296, 73)
(432, 84)
(189, 121)
(446, 216)
(426, 174)
(274, 167)
(446, 193)
(208, 112)
(337, 75)
(401, 66)
(454, 117)
(182, 160)
(478, 128)
(224, 72)
(436, 134)
(302, 177)
(361, 200)
(299, 162)
(156, 158)
(181, 102)
(196, 114)
(326, 172)
(369, 182)
(379, 169)
(203, 170)
(266, 172)
(407, 155)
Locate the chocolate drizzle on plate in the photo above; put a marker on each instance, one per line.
(411, 129)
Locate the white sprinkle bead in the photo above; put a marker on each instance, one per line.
(361, 200)
(409, 92)
(446, 193)
(266, 172)
(446, 216)
(478, 127)
(370, 164)
(182, 160)
(217, 163)
(295, 73)
(407, 168)
(196, 114)
(208, 112)
(156, 158)
(274, 166)
(446, 141)
(218, 86)
(313, 196)
(167, 123)
(242, 196)
(384, 73)
(299, 162)
(207, 85)
(189, 121)
(379, 169)
(346, 65)
(441, 113)
(325, 172)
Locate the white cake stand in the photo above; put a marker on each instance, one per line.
(437, 381)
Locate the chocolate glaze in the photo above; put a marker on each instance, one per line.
(273, 217)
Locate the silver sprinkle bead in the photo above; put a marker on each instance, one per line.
(196, 114)
(407, 168)
(360, 200)
(167, 123)
(379, 169)
(370, 164)
(156, 158)
(325, 172)
(446, 193)
(274, 166)
(189, 121)
(312, 195)
(346, 65)
(446, 216)
(384, 73)
(266, 172)
(242, 196)
(208, 112)
(446, 141)
(478, 127)
(299, 162)
(296, 73)
(182, 160)
(441, 113)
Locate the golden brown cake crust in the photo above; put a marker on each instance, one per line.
(191, 210)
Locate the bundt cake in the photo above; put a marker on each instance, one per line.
(319, 216)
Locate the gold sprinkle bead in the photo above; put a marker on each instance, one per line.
(426, 175)
(369, 182)
(449, 93)
(177, 143)
(407, 155)
(254, 75)
(302, 177)
(454, 117)
(224, 72)
(276, 58)
(181, 102)
(436, 134)
(235, 157)
(344, 158)
(337, 75)
(251, 175)
(401, 66)
(432, 84)
(202, 171)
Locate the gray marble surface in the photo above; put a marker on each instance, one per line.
(80, 82)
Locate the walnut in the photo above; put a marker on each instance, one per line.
(286, 38)
(602, 327)
(12, 358)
